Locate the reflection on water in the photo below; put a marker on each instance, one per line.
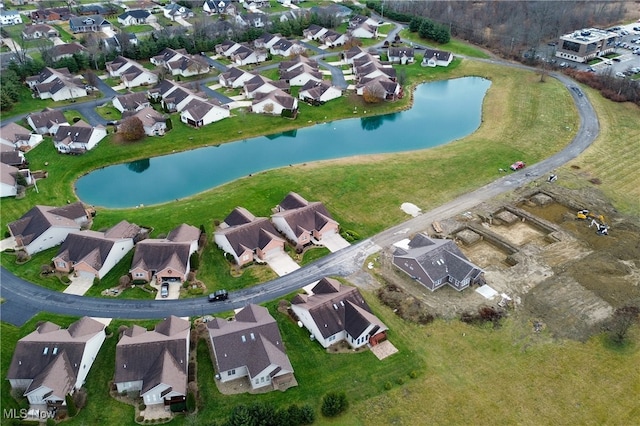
(442, 112)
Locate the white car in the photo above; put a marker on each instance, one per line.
(619, 74)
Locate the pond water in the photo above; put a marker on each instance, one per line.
(443, 111)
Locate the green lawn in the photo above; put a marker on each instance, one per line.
(64, 35)
(27, 103)
(454, 46)
(138, 28)
(108, 112)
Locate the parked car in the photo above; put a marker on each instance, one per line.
(517, 165)
(218, 295)
(164, 290)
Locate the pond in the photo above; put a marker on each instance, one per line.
(442, 112)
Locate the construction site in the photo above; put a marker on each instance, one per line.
(563, 260)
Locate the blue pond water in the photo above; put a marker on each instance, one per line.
(443, 111)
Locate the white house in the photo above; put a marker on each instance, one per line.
(10, 17)
(175, 11)
(131, 102)
(154, 363)
(44, 227)
(302, 221)
(318, 92)
(436, 58)
(17, 136)
(200, 113)
(284, 47)
(250, 346)
(154, 123)
(78, 138)
(135, 76)
(136, 17)
(364, 30)
(57, 84)
(9, 180)
(274, 103)
(333, 312)
(51, 362)
(245, 55)
(47, 121)
(235, 77)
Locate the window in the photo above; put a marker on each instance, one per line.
(231, 372)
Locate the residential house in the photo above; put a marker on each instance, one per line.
(130, 72)
(166, 55)
(369, 68)
(435, 263)
(245, 55)
(356, 53)
(51, 362)
(36, 31)
(44, 227)
(154, 364)
(219, 7)
(260, 84)
(18, 137)
(363, 30)
(333, 38)
(255, 5)
(266, 41)
(131, 102)
(104, 9)
(276, 102)
(333, 312)
(94, 254)
(336, 12)
(10, 17)
(301, 75)
(89, 24)
(175, 11)
(252, 20)
(178, 99)
(247, 237)
(165, 259)
(57, 84)
(302, 221)
(9, 186)
(379, 86)
(318, 92)
(78, 138)
(234, 77)
(199, 113)
(66, 50)
(136, 17)
(153, 123)
(11, 156)
(187, 66)
(250, 345)
(284, 47)
(436, 58)
(357, 20)
(47, 121)
(400, 55)
(227, 47)
(294, 14)
(51, 15)
(314, 32)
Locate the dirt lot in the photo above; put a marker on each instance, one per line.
(555, 267)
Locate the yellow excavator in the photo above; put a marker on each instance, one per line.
(586, 214)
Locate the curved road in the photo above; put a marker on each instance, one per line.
(24, 299)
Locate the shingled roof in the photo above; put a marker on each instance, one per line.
(244, 231)
(40, 218)
(302, 215)
(252, 339)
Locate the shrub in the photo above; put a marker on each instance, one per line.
(139, 419)
(169, 124)
(71, 405)
(388, 385)
(413, 374)
(131, 129)
(191, 402)
(400, 381)
(334, 404)
(65, 279)
(194, 260)
(307, 416)
(142, 407)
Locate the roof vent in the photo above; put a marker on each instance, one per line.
(124, 365)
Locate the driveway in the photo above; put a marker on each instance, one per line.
(79, 284)
(7, 243)
(174, 291)
(333, 242)
(281, 263)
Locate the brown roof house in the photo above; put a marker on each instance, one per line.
(57, 84)
(94, 253)
(44, 227)
(78, 138)
(302, 221)
(153, 123)
(36, 31)
(436, 58)
(154, 363)
(131, 101)
(250, 346)
(434, 263)
(165, 259)
(247, 237)
(9, 186)
(333, 312)
(51, 362)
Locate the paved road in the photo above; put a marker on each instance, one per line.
(23, 299)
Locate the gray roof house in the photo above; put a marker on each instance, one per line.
(154, 363)
(44, 227)
(435, 263)
(334, 312)
(18, 137)
(131, 101)
(250, 346)
(47, 121)
(247, 237)
(302, 221)
(52, 362)
(85, 24)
